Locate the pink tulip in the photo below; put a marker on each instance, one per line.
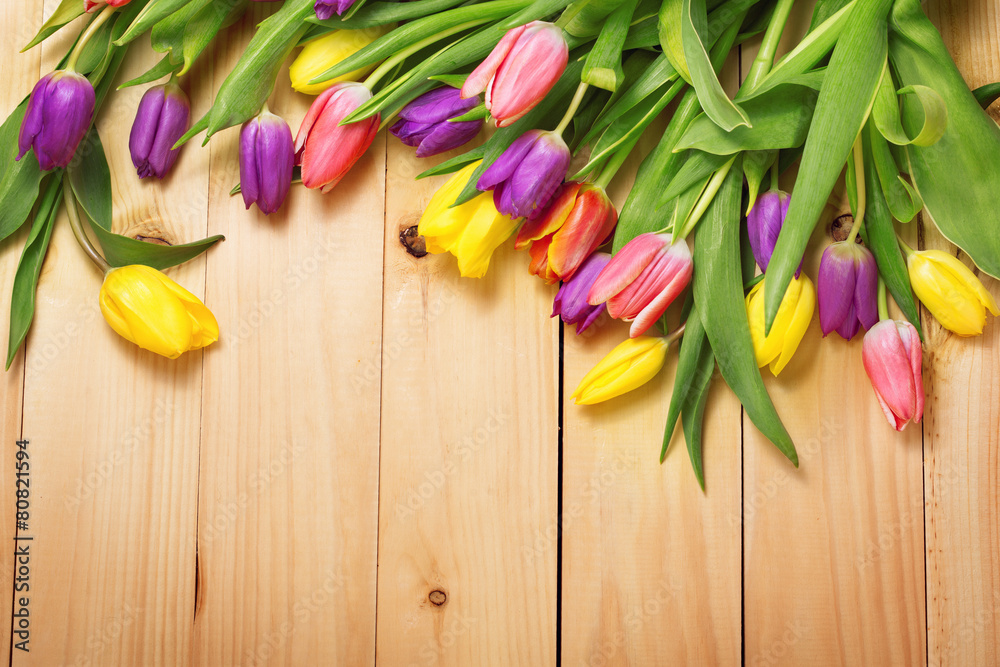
(324, 148)
(520, 71)
(892, 357)
(91, 5)
(642, 280)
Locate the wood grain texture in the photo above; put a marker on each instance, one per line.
(469, 476)
(289, 457)
(961, 424)
(651, 564)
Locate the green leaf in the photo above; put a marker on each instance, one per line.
(718, 293)
(19, 180)
(455, 163)
(603, 67)
(161, 69)
(150, 15)
(90, 178)
(539, 9)
(695, 34)
(122, 251)
(67, 11)
(22, 297)
(823, 10)
(669, 28)
(987, 95)
(903, 201)
(693, 414)
(698, 167)
(885, 113)
(381, 13)
(694, 345)
(755, 166)
(844, 103)
(589, 16)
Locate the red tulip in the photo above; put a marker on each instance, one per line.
(577, 221)
(892, 357)
(91, 5)
(324, 148)
(520, 71)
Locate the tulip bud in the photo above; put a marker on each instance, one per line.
(951, 291)
(470, 231)
(892, 357)
(526, 176)
(91, 5)
(424, 122)
(629, 366)
(790, 325)
(520, 70)
(579, 219)
(267, 157)
(59, 113)
(326, 149)
(146, 307)
(325, 9)
(847, 287)
(764, 223)
(571, 299)
(161, 119)
(643, 279)
(322, 53)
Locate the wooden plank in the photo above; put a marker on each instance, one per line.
(20, 72)
(469, 477)
(289, 462)
(651, 565)
(114, 478)
(962, 428)
(833, 551)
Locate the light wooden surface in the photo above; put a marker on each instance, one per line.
(371, 464)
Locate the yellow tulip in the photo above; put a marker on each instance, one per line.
(629, 366)
(146, 307)
(794, 315)
(322, 53)
(951, 291)
(471, 231)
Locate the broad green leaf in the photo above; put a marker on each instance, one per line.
(885, 113)
(19, 180)
(695, 35)
(90, 178)
(693, 346)
(205, 25)
(603, 67)
(959, 176)
(642, 35)
(587, 17)
(698, 167)
(823, 10)
(845, 100)
(718, 294)
(987, 95)
(67, 11)
(693, 413)
(22, 297)
(669, 27)
(122, 251)
(903, 201)
(150, 15)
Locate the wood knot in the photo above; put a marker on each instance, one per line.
(437, 597)
(149, 232)
(413, 241)
(840, 228)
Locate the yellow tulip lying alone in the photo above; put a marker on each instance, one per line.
(146, 307)
(950, 290)
(629, 366)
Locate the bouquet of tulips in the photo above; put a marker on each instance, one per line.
(869, 91)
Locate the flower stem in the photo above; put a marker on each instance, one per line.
(907, 250)
(675, 334)
(98, 21)
(705, 200)
(769, 46)
(390, 63)
(616, 162)
(571, 111)
(883, 305)
(775, 171)
(859, 180)
(77, 226)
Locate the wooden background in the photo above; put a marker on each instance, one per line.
(371, 465)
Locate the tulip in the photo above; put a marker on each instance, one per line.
(952, 292)
(424, 122)
(161, 119)
(526, 176)
(322, 53)
(577, 221)
(326, 149)
(520, 71)
(847, 289)
(146, 307)
(325, 9)
(470, 231)
(790, 325)
(629, 366)
(892, 357)
(91, 5)
(763, 224)
(59, 113)
(571, 300)
(643, 279)
(267, 157)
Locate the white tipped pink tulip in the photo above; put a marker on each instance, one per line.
(892, 357)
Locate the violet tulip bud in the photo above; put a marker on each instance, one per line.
(424, 122)
(161, 119)
(520, 70)
(59, 113)
(267, 156)
(325, 9)
(892, 357)
(326, 149)
(847, 289)
(571, 300)
(526, 176)
(763, 224)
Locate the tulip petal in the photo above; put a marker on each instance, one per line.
(626, 266)
(836, 280)
(890, 368)
(528, 73)
(476, 82)
(590, 221)
(504, 166)
(794, 329)
(552, 220)
(628, 366)
(866, 291)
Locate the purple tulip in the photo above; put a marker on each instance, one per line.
(847, 289)
(571, 299)
(59, 113)
(763, 224)
(161, 119)
(526, 176)
(424, 122)
(267, 155)
(325, 9)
